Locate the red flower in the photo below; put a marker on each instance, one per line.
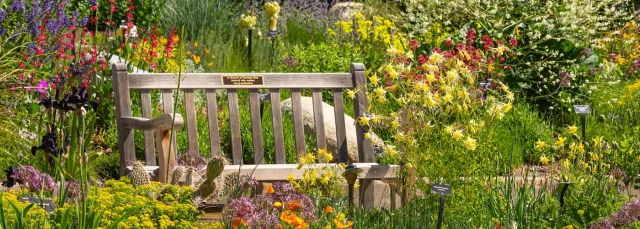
(421, 59)
(113, 9)
(513, 42)
(413, 44)
(449, 43)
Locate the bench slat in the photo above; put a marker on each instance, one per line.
(256, 125)
(234, 124)
(341, 132)
(278, 133)
(149, 143)
(298, 124)
(192, 122)
(318, 117)
(212, 116)
(214, 80)
(122, 99)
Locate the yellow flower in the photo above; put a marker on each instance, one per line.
(367, 135)
(595, 157)
(470, 143)
(364, 120)
(196, 59)
(374, 79)
(393, 74)
(331, 32)
(206, 51)
(188, 53)
(597, 141)
(572, 129)
(568, 227)
(560, 142)
(290, 177)
(380, 91)
(210, 64)
(448, 129)
(457, 135)
(540, 145)
(581, 182)
(308, 159)
(565, 163)
(195, 44)
(581, 213)
(544, 160)
(435, 58)
(277, 204)
(351, 93)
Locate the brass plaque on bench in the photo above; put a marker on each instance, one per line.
(256, 80)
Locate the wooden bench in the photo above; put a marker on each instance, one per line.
(125, 82)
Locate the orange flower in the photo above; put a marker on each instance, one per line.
(238, 221)
(269, 189)
(210, 64)
(195, 44)
(279, 226)
(328, 209)
(277, 204)
(196, 59)
(293, 206)
(206, 51)
(341, 225)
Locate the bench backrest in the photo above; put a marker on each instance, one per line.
(125, 82)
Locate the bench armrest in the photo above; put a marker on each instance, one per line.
(163, 122)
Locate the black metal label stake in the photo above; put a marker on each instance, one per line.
(562, 186)
(443, 190)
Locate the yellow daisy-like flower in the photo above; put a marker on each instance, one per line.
(565, 163)
(470, 143)
(572, 129)
(448, 129)
(595, 157)
(380, 91)
(196, 59)
(374, 79)
(291, 178)
(351, 94)
(195, 44)
(540, 145)
(560, 142)
(597, 141)
(544, 160)
(364, 120)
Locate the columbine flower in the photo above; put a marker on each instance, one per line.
(470, 143)
(544, 160)
(572, 129)
(560, 142)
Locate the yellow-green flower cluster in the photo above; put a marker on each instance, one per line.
(36, 217)
(319, 176)
(247, 21)
(272, 9)
(162, 206)
(377, 31)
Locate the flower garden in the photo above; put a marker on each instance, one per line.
(528, 111)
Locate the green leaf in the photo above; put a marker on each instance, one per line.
(124, 216)
(3, 220)
(65, 219)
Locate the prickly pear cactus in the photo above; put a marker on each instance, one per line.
(178, 173)
(193, 177)
(215, 166)
(139, 175)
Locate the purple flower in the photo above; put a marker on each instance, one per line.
(94, 2)
(626, 216)
(242, 207)
(285, 193)
(17, 5)
(34, 180)
(602, 224)
(613, 55)
(2, 14)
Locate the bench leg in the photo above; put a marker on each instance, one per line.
(367, 194)
(166, 145)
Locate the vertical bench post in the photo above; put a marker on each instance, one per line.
(365, 148)
(122, 100)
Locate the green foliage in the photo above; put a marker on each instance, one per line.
(518, 132)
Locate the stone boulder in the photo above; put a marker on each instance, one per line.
(346, 10)
(329, 126)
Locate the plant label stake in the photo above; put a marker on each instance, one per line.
(45, 203)
(562, 186)
(351, 174)
(583, 110)
(263, 96)
(443, 190)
